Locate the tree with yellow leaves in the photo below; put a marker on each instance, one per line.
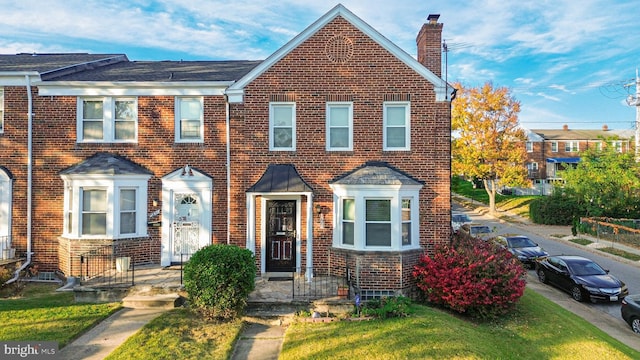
(487, 142)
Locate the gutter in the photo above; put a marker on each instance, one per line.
(16, 275)
(228, 164)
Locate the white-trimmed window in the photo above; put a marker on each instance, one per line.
(554, 146)
(1, 110)
(376, 218)
(100, 207)
(397, 125)
(189, 119)
(571, 146)
(529, 146)
(348, 219)
(282, 126)
(339, 126)
(406, 221)
(532, 166)
(617, 145)
(107, 119)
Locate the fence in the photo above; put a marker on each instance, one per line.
(322, 284)
(623, 231)
(6, 251)
(100, 267)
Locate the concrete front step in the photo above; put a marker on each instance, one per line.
(164, 301)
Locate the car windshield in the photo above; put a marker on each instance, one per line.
(461, 218)
(520, 242)
(480, 230)
(584, 268)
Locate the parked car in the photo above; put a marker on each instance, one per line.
(479, 231)
(459, 219)
(630, 310)
(527, 251)
(581, 277)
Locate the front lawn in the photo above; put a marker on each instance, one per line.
(518, 205)
(39, 313)
(539, 329)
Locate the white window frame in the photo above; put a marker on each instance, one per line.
(554, 146)
(529, 146)
(330, 126)
(73, 209)
(532, 166)
(1, 110)
(361, 193)
(108, 119)
(272, 126)
(178, 120)
(569, 146)
(617, 145)
(407, 125)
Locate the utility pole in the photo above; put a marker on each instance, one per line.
(635, 101)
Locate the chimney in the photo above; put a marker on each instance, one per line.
(565, 127)
(605, 127)
(429, 43)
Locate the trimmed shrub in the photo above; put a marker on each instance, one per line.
(218, 279)
(471, 276)
(555, 209)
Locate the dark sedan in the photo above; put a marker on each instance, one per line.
(630, 310)
(581, 277)
(523, 248)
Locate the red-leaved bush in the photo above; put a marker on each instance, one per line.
(471, 276)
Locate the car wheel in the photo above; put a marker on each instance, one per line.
(635, 325)
(576, 293)
(542, 276)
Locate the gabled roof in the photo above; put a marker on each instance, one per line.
(52, 63)
(106, 164)
(235, 91)
(165, 71)
(376, 173)
(580, 134)
(280, 178)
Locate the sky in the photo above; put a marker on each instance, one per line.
(568, 62)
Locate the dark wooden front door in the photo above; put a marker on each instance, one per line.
(281, 235)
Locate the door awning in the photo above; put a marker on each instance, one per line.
(566, 160)
(280, 178)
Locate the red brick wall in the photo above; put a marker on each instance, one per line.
(13, 156)
(55, 148)
(310, 76)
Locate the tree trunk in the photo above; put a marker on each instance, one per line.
(490, 187)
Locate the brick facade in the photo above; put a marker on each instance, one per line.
(311, 74)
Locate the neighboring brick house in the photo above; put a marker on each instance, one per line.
(550, 150)
(333, 151)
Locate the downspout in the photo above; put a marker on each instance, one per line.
(16, 275)
(228, 160)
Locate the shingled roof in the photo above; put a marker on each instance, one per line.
(103, 163)
(376, 173)
(55, 63)
(165, 71)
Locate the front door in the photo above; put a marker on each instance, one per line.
(185, 239)
(281, 235)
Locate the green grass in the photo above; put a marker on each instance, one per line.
(181, 334)
(621, 253)
(518, 205)
(40, 313)
(581, 241)
(539, 329)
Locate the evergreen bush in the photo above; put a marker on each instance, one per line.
(218, 280)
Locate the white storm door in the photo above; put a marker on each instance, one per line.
(185, 228)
